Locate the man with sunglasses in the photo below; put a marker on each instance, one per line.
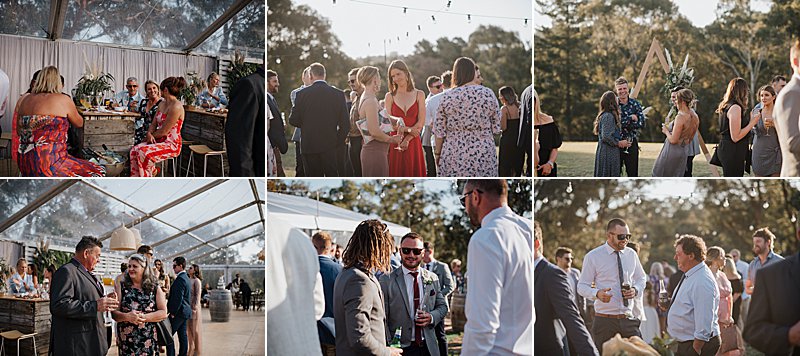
(130, 97)
(499, 306)
(414, 301)
(618, 277)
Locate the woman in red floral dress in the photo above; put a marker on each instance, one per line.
(163, 138)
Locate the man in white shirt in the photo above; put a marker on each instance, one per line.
(692, 315)
(618, 278)
(435, 86)
(432, 113)
(130, 97)
(499, 308)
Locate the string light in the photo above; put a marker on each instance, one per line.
(277, 60)
(766, 205)
(469, 18)
(405, 10)
(433, 18)
(448, 4)
(569, 188)
(726, 204)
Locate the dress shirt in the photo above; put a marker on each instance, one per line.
(600, 267)
(756, 265)
(500, 264)
(409, 279)
(742, 268)
(431, 113)
(693, 314)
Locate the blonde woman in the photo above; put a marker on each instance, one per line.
(375, 151)
(715, 259)
(737, 286)
(671, 162)
(42, 121)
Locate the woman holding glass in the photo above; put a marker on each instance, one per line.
(142, 304)
(375, 151)
(766, 149)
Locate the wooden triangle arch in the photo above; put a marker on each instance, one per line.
(657, 51)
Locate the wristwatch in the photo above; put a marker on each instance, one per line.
(552, 165)
(408, 130)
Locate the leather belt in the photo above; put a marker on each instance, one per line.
(612, 316)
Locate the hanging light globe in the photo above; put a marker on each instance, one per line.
(122, 239)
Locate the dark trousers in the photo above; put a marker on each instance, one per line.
(709, 349)
(529, 160)
(688, 172)
(278, 162)
(604, 329)
(441, 338)
(415, 350)
(630, 160)
(178, 325)
(343, 162)
(320, 164)
(300, 171)
(430, 163)
(354, 151)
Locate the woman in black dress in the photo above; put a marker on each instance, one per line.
(511, 156)
(734, 132)
(549, 140)
(737, 284)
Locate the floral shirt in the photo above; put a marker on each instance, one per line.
(142, 123)
(629, 127)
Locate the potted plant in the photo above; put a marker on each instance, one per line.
(194, 85)
(239, 69)
(92, 85)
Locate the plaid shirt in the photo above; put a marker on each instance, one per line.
(629, 127)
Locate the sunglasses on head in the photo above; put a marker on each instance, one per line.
(621, 237)
(408, 250)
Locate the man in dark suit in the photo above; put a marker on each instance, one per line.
(525, 140)
(773, 323)
(77, 304)
(178, 305)
(558, 322)
(321, 112)
(329, 270)
(244, 127)
(276, 132)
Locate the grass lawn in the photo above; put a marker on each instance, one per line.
(576, 159)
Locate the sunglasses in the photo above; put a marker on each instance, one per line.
(351, 81)
(463, 198)
(132, 86)
(408, 250)
(438, 86)
(621, 237)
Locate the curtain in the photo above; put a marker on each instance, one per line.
(20, 57)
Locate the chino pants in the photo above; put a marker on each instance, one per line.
(604, 329)
(709, 349)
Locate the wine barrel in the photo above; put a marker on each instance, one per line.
(457, 315)
(220, 304)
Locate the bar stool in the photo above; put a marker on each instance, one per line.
(166, 166)
(5, 151)
(206, 152)
(16, 335)
(186, 143)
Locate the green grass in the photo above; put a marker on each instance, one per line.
(576, 159)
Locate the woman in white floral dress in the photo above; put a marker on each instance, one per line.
(465, 124)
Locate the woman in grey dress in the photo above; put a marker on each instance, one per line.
(671, 162)
(766, 149)
(375, 151)
(607, 129)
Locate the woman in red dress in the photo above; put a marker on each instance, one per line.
(407, 102)
(163, 138)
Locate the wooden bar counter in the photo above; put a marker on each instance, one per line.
(26, 316)
(204, 128)
(115, 130)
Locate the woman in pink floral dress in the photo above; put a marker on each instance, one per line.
(467, 119)
(163, 139)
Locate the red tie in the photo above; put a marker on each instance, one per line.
(417, 330)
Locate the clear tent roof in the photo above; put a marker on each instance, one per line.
(201, 219)
(181, 25)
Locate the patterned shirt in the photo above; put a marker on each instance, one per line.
(629, 127)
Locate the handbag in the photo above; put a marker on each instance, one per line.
(164, 333)
(715, 159)
(730, 339)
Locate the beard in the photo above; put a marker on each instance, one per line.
(411, 265)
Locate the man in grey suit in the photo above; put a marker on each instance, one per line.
(787, 118)
(414, 301)
(358, 307)
(448, 285)
(77, 304)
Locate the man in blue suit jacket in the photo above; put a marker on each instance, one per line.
(178, 305)
(329, 271)
(558, 322)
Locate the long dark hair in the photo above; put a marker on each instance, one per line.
(608, 103)
(508, 93)
(197, 273)
(735, 94)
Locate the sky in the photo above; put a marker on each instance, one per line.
(699, 12)
(362, 27)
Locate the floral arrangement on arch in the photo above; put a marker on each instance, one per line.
(677, 77)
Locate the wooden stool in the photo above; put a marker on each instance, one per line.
(16, 335)
(206, 152)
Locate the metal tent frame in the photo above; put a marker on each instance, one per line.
(63, 185)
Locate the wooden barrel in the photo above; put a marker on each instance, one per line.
(457, 314)
(220, 304)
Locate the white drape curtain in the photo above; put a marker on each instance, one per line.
(20, 57)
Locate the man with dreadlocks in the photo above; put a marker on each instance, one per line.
(357, 298)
